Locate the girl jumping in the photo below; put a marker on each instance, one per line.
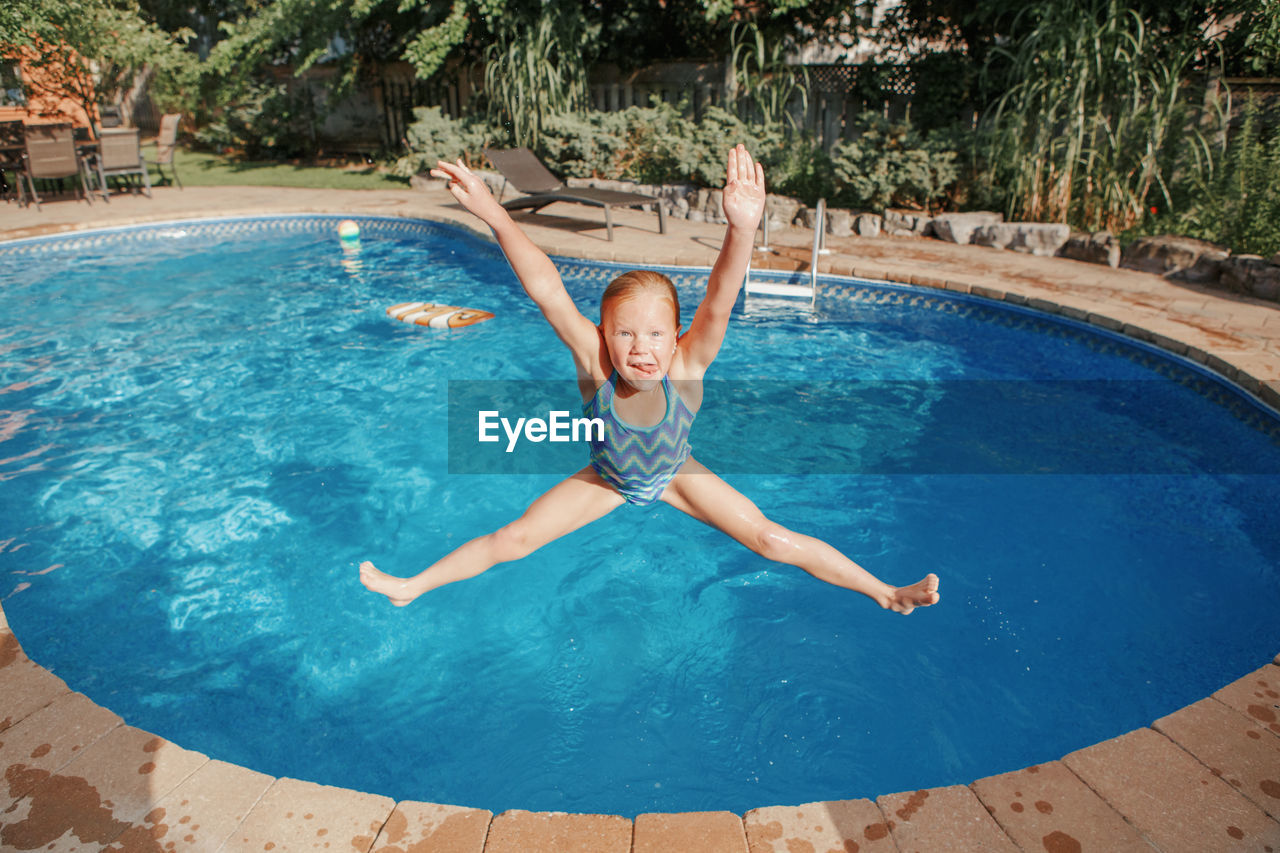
(628, 368)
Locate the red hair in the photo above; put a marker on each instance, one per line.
(633, 283)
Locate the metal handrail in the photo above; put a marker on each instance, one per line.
(819, 238)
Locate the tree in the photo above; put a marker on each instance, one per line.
(86, 50)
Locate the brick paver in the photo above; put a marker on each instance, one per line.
(1172, 799)
(95, 798)
(1233, 747)
(432, 828)
(294, 815)
(1047, 807)
(556, 832)
(949, 818)
(1256, 695)
(48, 740)
(197, 816)
(25, 687)
(707, 832)
(839, 825)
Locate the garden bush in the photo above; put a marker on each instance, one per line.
(1235, 201)
(435, 136)
(269, 120)
(891, 164)
(650, 145)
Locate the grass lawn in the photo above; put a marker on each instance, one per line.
(202, 169)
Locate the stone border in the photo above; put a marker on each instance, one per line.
(1200, 778)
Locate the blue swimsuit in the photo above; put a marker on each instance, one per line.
(639, 461)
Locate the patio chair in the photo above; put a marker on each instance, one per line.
(166, 144)
(119, 154)
(51, 154)
(13, 149)
(523, 170)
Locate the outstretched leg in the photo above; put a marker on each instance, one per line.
(701, 494)
(568, 505)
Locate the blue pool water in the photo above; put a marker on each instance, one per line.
(205, 427)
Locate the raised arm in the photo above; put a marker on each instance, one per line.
(744, 195)
(537, 274)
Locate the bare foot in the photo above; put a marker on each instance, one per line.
(395, 589)
(922, 593)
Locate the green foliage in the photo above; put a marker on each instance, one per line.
(269, 121)
(658, 144)
(88, 50)
(1261, 26)
(763, 82)
(428, 49)
(943, 83)
(435, 136)
(205, 169)
(593, 144)
(1234, 201)
(890, 164)
(1084, 133)
(535, 70)
(650, 145)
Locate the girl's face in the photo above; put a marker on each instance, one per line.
(640, 333)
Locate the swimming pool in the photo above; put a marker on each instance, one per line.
(207, 425)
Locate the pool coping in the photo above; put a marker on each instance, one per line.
(1208, 774)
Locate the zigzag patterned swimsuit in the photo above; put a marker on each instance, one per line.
(639, 461)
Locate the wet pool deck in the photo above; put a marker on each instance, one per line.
(1204, 778)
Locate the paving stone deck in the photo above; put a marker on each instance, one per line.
(1204, 778)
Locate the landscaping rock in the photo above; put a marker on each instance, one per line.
(1035, 238)
(1100, 247)
(709, 201)
(907, 219)
(867, 225)
(959, 227)
(906, 222)
(781, 210)
(840, 223)
(1252, 275)
(1166, 254)
(423, 181)
(806, 217)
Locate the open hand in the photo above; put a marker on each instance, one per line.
(466, 186)
(743, 189)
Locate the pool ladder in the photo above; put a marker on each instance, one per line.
(802, 291)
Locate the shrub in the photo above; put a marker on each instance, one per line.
(270, 120)
(658, 144)
(435, 136)
(891, 164)
(1235, 201)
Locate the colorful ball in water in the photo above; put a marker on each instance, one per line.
(348, 231)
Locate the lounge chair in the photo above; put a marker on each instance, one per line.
(521, 168)
(51, 153)
(120, 154)
(166, 143)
